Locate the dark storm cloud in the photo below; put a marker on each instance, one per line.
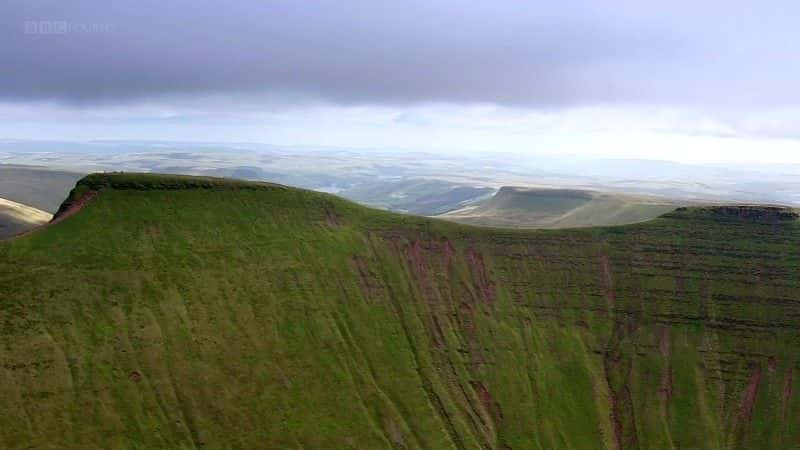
(373, 52)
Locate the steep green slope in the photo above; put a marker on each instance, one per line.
(559, 208)
(200, 313)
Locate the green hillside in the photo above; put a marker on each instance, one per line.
(178, 312)
(559, 208)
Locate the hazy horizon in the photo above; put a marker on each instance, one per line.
(686, 82)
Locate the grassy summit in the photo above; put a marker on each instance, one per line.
(179, 312)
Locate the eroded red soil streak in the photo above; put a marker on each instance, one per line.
(608, 280)
(749, 398)
(613, 403)
(368, 281)
(664, 343)
(485, 286)
(76, 206)
(617, 370)
(449, 252)
(772, 364)
(487, 401)
(415, 253)
(665, 348)
(786, 397)
(71, 211)
(333, 219)
(438, 335)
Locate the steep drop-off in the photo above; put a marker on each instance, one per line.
(16, 218)
(176, 312)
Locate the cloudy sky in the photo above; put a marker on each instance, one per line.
(689, 80)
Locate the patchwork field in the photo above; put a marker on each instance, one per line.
(179, 312)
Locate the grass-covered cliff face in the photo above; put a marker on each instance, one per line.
(257, 316)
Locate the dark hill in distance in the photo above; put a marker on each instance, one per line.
(179, 312)
(559, 208)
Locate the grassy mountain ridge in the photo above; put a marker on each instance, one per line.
(174, 312)
(559, 208)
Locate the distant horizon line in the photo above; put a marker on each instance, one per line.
(475, 153)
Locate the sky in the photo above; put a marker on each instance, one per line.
(684, 80)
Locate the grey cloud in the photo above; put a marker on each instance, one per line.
(544, 54)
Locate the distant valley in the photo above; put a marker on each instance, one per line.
(16, 218)
(492, 190)
(559, 208)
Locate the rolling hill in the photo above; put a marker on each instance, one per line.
(559, 208)
(180, 312)
(16, 218)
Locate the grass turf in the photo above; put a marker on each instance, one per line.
(175, 312)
